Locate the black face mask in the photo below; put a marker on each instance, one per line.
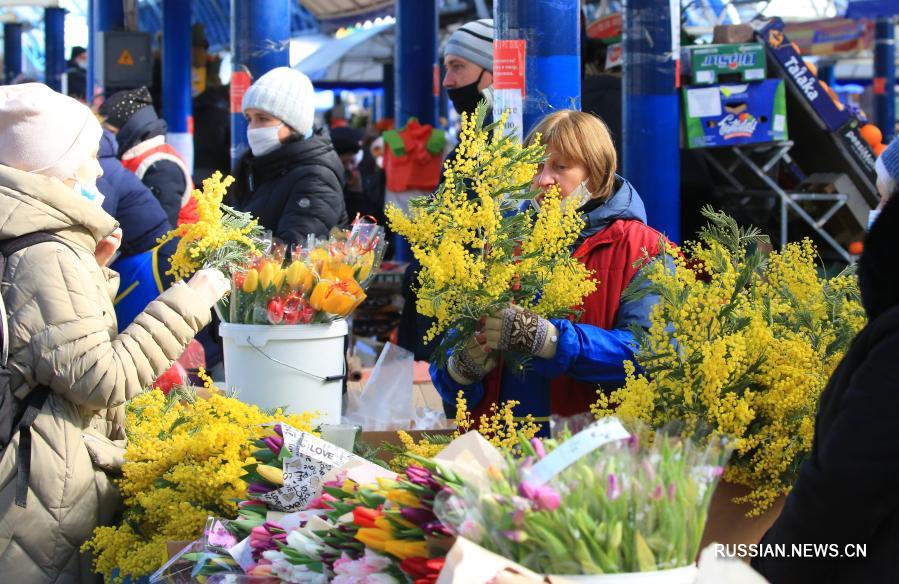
(465, 99)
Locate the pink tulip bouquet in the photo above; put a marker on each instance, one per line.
(626, 505)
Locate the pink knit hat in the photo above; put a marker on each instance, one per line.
(45, 132)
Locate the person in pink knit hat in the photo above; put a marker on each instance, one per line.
(66, 372)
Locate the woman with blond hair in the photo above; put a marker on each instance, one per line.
(570, 359)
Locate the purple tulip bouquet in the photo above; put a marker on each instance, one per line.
(623, 503)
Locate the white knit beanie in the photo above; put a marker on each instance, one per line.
(45, 132)
(473, 41)
(286, 94)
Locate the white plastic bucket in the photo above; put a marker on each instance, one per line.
(685, 575)
(298, 367)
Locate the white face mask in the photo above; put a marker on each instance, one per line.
(578, 198)
(264, 140)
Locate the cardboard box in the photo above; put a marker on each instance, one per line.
(423, 394)
(801, 81)
(708, 62)
(733, 114)
(732, 33)
(377, 440)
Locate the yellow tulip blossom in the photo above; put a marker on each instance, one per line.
(278, 280)
(251, 282)
(337, 270)
(404, 549)
(373, 537)
(317, 298)
(404, 498)
(266, 275)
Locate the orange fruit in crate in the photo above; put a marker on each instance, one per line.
(872, 134)
(878, 150)
(856, 248)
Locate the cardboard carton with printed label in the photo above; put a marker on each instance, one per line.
(709, 62)
(735, 114)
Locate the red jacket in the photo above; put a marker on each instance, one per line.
(144, 155)
(610, 254)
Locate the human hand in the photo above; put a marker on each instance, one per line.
(471, 363)
(516, 329)
(108, 246)
(211, 283)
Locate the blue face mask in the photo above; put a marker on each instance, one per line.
(89, 192)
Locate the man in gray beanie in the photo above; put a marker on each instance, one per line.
(468, 57)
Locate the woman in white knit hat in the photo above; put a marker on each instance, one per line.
(66, 371)
(291, 179)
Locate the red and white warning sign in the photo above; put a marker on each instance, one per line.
(509, 82)
(508, 65)
(240, 82)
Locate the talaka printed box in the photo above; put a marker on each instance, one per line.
(733, 114)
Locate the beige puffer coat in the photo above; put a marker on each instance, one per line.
(63, 334)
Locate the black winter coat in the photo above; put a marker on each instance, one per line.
(847, 489)
(294, 191)
(126, 198)
(212, 133)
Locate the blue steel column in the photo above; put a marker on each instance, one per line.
(415, 57)
(54, 46)
(551, 30)
(103, 15)
(176, 76)
(885, 76)
(650, 126)
(12, 51)
(260, 42)
(388, 102)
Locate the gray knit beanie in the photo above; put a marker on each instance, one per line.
(473, 41)
(286, 94)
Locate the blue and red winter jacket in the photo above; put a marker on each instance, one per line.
(592, 351)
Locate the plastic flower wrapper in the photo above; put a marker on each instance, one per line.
(479, 251)
(290, 467)
(319, 283)
(362, 248)
(742, 342)
(603, 501)
(183, 464)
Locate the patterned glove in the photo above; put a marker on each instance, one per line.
(472, 363)
(515, 329)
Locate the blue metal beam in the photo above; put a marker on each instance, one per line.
(260, 42)
(389, 102)
(415, 60)
(651, 107)
(12, 51)
(176, 76)
(885, 76)
(552, 68)
(54, 47)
